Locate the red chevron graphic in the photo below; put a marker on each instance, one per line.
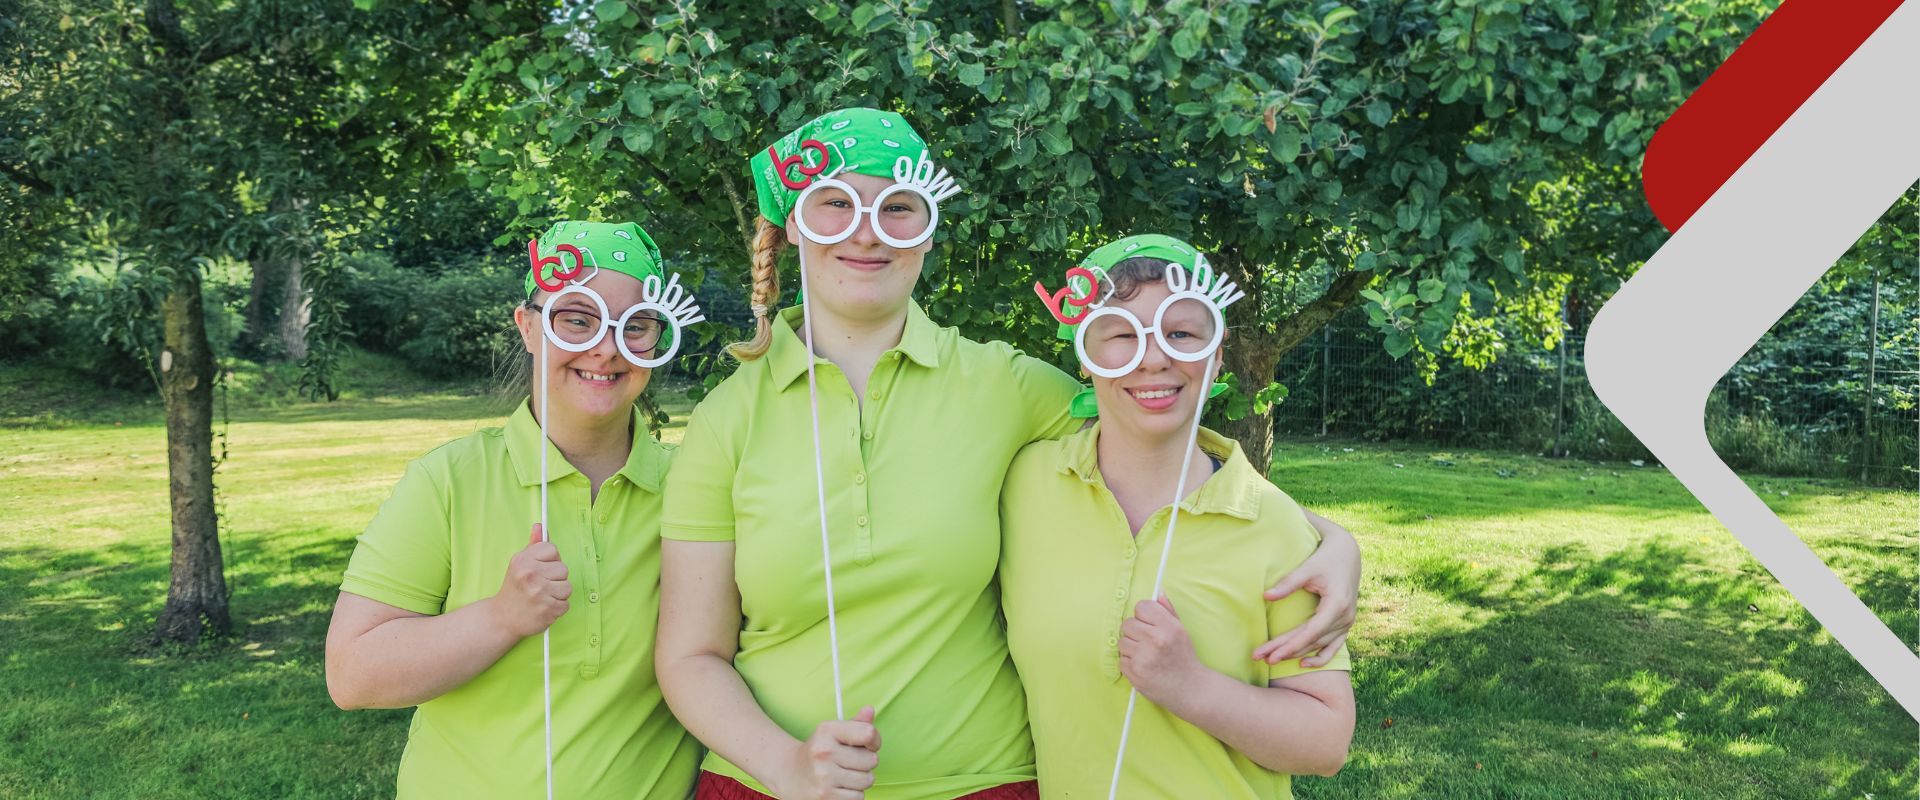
(1744, 101)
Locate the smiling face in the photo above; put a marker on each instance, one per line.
(597, 382)
(1157, 398)
(862, 277)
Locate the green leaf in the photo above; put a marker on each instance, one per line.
(1055, 140)
(1336, 16)
(637, 138)
(1378, 113)
(1484, 155)
(1433, 331)
(972, 74)
(1286, 144)
(1079, 170)
(1431, 290)
(610, 10)
(1193, 109)
(1185, 44)
(1399, 343)
(638, 100)
(1468, 235)
(863, 15)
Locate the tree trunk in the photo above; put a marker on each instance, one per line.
(1253, 351)
(1254, 359)
(263, 312)
(197, 588)
(278, 309)
(197, 591)
(295, 310)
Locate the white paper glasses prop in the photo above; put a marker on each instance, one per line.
(663, 313)
(829, 211)
(1188, 326)
(903, 215)
(667, 308)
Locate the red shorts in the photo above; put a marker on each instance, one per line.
(721, 787)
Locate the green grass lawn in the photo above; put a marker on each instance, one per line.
(1531, 627)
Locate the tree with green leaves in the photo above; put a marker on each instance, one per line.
(200, 131)
(1427, 160)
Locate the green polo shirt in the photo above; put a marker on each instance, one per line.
(443, 540)
(913, 474)
(1071, 573)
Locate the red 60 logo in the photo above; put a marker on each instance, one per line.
(1055, 302)
(559, 276)
(781, 165)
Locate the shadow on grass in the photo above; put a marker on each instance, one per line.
(1641, 673)
(95, 710)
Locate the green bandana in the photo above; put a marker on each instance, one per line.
(1151, 245)
(614, 246)
(866, 141)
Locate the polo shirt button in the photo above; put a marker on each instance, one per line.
(859, 477)
(593, 597)
(874, 395)
(1112, 641)
(593, 641)
(867, 435)
(862, 520)
(1119, 594)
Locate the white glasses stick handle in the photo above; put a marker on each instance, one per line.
(1166, 549)
(820, 491)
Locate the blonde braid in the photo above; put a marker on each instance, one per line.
(768, 240)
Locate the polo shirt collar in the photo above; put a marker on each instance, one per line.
(1234, 489)
(646, 465)
(787, 355)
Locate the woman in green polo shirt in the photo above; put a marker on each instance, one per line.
(915, 428)
(450, 586)
(1088, 538)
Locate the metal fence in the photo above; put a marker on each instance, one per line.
(1804, 408)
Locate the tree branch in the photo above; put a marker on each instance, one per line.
(163, 22)
(739, 209)
(25, 178)
(212, 53)
(1315, 315)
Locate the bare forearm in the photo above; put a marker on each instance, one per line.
(709, 697)
(408, 661)
(1281, 729)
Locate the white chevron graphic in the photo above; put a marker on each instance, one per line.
(1731, 271)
